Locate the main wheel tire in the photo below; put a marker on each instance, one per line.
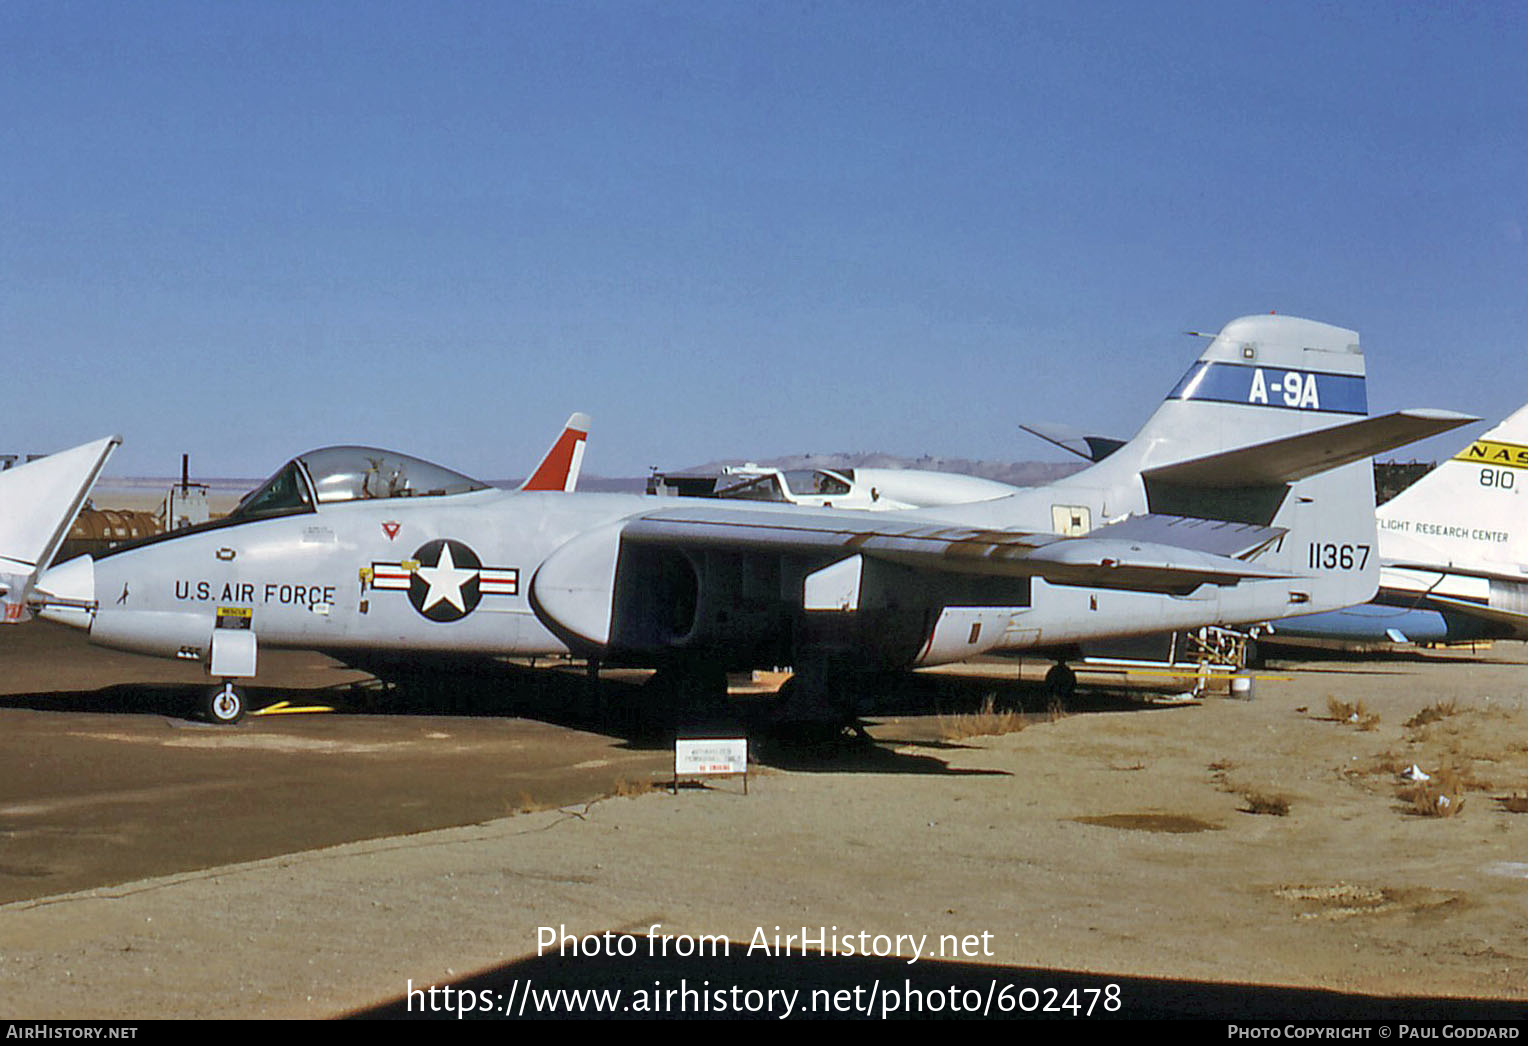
(224, 705)
(1060, 683)
(1253, 656)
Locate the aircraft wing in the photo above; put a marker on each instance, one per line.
(1134, 554)
(1514, 620)
(1305, 454)
(38, 503)
(1505, 574)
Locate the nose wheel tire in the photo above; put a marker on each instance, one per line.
(224, 704)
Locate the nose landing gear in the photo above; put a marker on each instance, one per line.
(224, 705)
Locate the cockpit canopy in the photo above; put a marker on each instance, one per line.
(335, 474)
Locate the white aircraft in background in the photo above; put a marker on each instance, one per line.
(866, 489)
(1247, 495)
(1453, 553)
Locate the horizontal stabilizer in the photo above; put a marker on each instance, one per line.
(38, 504)
(1084, 445)
(1295, 457)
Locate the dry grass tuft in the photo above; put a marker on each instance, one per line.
(1434, 712)
(987, 722)
(1443, 796)
(1355, 713)
(1261, 803)
(625, 789)
(1389, 762)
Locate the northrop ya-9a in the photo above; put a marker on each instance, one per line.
(1247, 495)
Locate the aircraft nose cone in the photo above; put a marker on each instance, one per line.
(68, 587)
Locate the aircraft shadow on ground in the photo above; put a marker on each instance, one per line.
(648, 718)
(179, 700)
(1316, 658)
(837, 986)
(642, 717)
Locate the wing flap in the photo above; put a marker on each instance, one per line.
(1218, 537)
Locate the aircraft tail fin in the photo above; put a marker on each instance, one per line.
(1269, 428)
(38, 504)
(560, 467)
(1467, 512)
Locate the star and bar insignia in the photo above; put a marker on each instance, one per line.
(445, 579)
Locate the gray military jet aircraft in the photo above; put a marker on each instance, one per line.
(1246, 496)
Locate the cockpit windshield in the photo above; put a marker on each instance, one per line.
(752, 488)
(365, 473)
(284, 493)
(815, 481)
(349, 474)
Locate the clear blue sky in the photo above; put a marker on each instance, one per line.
(247, 229)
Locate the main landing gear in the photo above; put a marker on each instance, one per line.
(1060, 684)
(224, 704)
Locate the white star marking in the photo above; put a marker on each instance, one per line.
(445, 581)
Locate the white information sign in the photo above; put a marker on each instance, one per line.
(710, 755)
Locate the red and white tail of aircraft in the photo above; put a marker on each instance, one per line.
(560, 467)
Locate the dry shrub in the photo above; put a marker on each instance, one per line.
(1389, 762)
(1434, 712)
(1443, 796)
(625, 789)
(1261, 803)
(1355, 713)
(986, 722)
